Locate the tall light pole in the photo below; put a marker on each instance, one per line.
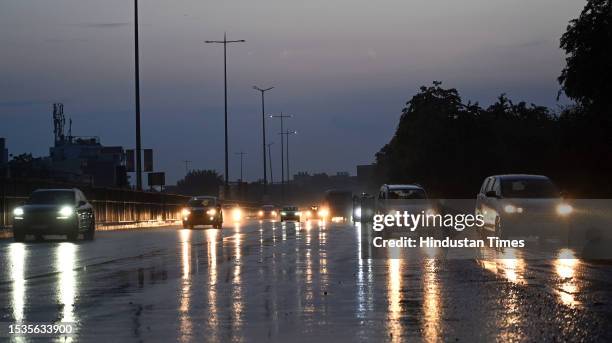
(137, 95)
(225, 42)
(282, 116)
(241, 157)
(286, 134)
(263, 130)
(270, 159)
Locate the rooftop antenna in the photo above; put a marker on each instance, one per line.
(70, 129)
(59, 121)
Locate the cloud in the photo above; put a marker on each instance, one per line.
(23, 103)
(103, 25)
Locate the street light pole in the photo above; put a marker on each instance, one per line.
(281, 117)
(241, 157)
(137, 99)
(270, 159)
(287, 133)
(225, 42)
(263, 130)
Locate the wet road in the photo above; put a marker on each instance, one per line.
(266, 281)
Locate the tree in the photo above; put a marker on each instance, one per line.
(588, 44)
(200, 182)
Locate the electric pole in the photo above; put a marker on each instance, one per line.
(286, 134)
(282, 116)
(263, 130)
(241, 157)
(225, 42)
(270, 159)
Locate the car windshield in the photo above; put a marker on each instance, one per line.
(201, 202)
(529, 188)
(51, 198)
(290, 208)
(267, 207)
(407, 193)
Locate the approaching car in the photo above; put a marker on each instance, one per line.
(339, 204)
(522, 205)
(314, 212)
(290, 213)
(410, 198)
(267, 212)
(203, 210)
(55, 212)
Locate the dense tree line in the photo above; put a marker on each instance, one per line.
(449, 146)
(200, 182)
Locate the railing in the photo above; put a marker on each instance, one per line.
(111, 206)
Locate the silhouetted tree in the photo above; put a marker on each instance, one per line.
(200, 182)
(449, 147)
(588, 45)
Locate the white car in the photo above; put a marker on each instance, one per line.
(522, 205)
(407, 197)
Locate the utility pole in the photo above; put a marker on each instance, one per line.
(287, 133)
(241, 157)
(282, 116)
(137, 94)
(225, 42)
(187, 162)
(270, 159)
(263, 130)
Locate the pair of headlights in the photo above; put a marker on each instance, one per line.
(64, 212)
(562, 209)
(185, 212)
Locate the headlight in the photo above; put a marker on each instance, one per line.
(65, 212)
(260, 213)
(211, 212)
(283, 213)
(18, 212)
(185, 212)
(308, 214)
(323, 213)
(513, 209)
(273, 213)
(564, 209)
(358, 212)
(237, 214)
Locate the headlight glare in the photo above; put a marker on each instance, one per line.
(18, 212)
(65, 212)
(564, 209)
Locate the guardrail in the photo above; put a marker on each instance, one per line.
(111, 206)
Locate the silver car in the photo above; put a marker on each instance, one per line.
(522, 205)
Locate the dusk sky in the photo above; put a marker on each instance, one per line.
(343, 68)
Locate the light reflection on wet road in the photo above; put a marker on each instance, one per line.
(267, 281)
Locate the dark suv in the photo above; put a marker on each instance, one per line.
(203, 210)
(54, 212)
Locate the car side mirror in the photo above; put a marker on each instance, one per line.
(82, 203)
(491, 194)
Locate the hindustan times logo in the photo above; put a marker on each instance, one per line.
(413, 221)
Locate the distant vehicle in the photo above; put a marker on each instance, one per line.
(290, 213)
(315, 212)
(339, 204)
(267, 212)
(402, 197)
(55, 212)
(203, 210)
(522, 205)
